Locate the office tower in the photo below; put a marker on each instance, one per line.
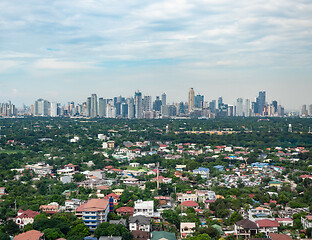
(304, 110)
(181, 108)
(102, 107)
(274, 103)
(124, 110)
(94, 106)
(260, 102)
(230, 111)
(247, 108)
(169, 111)
(138, 105)
(130, 102)
(42, 107)
(157, 104)
(53, 109)
(147, 103)
(310, 110)
(88, 107)
(280, 111)
(110, 110)
(213, 106)
(199, 99)
(239, 107)
(220, 102)
(191, 100)
(163, 99)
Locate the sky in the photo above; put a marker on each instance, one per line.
(66, 50)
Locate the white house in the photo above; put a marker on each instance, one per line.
(145, 208)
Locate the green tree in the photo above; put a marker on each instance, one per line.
(53, 233)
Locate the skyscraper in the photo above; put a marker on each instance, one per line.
(191, 99)
(94, 106)
(261, 102)
(130, 102)
(220, 102)
(102, 107)
(239, 107)
(212, 106)
(163, 99)
(89, 106)
(147, 103)
(157, 104)
(42, 107)
(53, 109)
(138, 104)
(247, 108)
(199, 99)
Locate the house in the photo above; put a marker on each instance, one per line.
(94, 212)
(145, 208)
(259, 213)
(203, 172)
(161, 235)
(277, 184)
(187, 229)
(140, 222)
(245, 228)
(140, 235)
(267, 226)
(130, 181)
(118, 191)
(114, 196)
(187, 204)
(188, 196)
(30, 235)
(110, 238)
(66, 179)
(125, 211)
(121, 221)
(285, 221)
(72, 205)
(25, 217)
(51, 208)
(134, 164)
(306, 221)
(276, 236)
(205, 195)
(2, 191)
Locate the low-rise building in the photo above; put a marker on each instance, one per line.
(306, 221)
(145, 208)
(25, 217)
(94, 212)
(187, 229)
(140, 222)
(267, 226)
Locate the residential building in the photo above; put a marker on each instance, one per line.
(30, 235)
(187, 229)
(94, 212)
(145, 208)
(188, 196)
(25, 217)
(203, 172)
(267, 226)
(125, 211)
(306, 221)
(140, 222)
(161, 235)
(245, 228)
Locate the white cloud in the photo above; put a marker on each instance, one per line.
(61, 65)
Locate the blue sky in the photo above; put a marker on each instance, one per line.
(65, 50)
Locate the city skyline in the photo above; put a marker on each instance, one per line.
(66, 50)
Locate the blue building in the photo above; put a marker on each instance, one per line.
(203, 172)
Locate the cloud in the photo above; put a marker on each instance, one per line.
(61, 65)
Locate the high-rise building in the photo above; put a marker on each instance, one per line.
(220, 102)
(102, 107)
(94, 106)
(239, 107)
(130, 102)
(42, 107)
(53, 109)
(247, 108)
(274, 103)
(260, 102)
(88, 107)
(213, 106)
(181, 108)
(199, 99)
(304, 110)
(138, 105)
(157, 104)
(147, 103)
(310, 110)
(191, 99)
(163, 99)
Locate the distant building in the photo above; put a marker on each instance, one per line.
(203, 172)
(94, 212)
(191, 99)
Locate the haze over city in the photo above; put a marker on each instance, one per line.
(64, 50)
